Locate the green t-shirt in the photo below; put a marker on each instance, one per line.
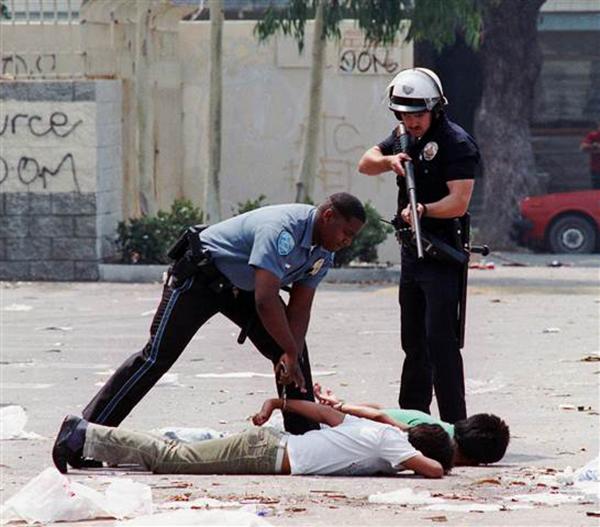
(415, 417)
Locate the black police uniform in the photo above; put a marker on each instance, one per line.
(430, 289)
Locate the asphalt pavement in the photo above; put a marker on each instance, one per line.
(531, 356)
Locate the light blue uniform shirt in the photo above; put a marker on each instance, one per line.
(277, 238)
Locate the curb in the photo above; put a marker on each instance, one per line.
(154, 273)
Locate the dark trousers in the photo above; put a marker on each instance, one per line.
(181, 313)
(429, 297)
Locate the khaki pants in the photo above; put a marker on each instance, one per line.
(255, 451)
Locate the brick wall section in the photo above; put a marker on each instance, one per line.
(48, 236)
(49, 232)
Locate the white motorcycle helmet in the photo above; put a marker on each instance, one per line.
(416, 90)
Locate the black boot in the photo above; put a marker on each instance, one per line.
(68, 446)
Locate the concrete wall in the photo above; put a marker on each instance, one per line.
(264, 108)
(60, 177)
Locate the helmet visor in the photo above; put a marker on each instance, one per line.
(409, 104)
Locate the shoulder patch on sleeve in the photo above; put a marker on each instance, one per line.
(285, 243)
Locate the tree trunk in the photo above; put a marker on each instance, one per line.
(144, 138)
(212, 188)
(308, 169)
(511, 61)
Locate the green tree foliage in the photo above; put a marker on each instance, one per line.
(146, 240)
(436, 21)
(364, 246)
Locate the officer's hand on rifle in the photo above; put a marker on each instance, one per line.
(406, 215)
(396, 162)
(287, 371)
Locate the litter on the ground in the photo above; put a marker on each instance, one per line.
(169, 379)
(52, 497)
(13, 419)
(200, 517)
(405, 496)
(551, 330)
(464, 507)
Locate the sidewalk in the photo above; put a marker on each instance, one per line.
(366, 273)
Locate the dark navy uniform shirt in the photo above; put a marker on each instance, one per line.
(445, 153)
(277, 238)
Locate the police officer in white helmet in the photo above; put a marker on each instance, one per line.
(445, 160)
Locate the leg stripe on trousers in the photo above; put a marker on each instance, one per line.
(151, 360)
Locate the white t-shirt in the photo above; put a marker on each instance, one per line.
(356, 447)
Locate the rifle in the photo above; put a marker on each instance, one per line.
(411, 190)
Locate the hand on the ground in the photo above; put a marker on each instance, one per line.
(325, 396)
(287, 371)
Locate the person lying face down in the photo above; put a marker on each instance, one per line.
(479, 439)
(348, 446)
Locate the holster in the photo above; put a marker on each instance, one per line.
(189, 255)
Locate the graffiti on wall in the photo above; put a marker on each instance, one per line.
(30, 65)
(37, 167)
(340, 147)
(355, 57)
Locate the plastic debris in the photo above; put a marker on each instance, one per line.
(405, 496)
(551, 330)
(52, 497)
(547, 498)
(189, 435)
(195, 517)
(169, 379)
(12, 424)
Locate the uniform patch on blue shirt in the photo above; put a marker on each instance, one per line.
(285, 243)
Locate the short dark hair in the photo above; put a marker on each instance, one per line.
(347, 205)
(433, 442)
(482, 438)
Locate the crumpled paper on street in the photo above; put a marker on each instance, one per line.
(52, 497)
(13, 419)
(194, 517)
(404, 496)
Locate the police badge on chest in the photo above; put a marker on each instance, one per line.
(429, 151)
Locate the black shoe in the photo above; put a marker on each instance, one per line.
(62, 453)
(84, 462)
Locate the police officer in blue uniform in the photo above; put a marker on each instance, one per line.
(445, 160)
(238, 267)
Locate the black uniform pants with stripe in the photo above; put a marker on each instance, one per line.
(181, 313)
(429, 298)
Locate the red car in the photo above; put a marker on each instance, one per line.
(565, 222)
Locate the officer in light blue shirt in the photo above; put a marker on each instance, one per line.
(237, 267)
(278, 239)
